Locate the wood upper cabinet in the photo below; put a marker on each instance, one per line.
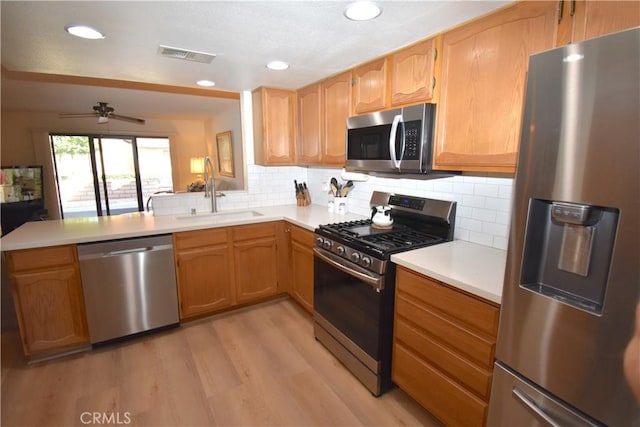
(301, 266)
(274, 117)
(443, 348)
(370, 86)
(581, 20)
(336, 109)
(255, 256)
(484, 67)
(413, 78)
(204, 271)
(309, 125)
(47, 293)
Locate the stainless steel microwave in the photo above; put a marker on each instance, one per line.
(392, 141)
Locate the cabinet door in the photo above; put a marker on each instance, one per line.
(484, 67)
(336, 109)
(413, 73)
(256, 268)
(274, 126)
(370, 90)
(50, 309)
(581, 20)
(309, 125)
(205, 280)
(302, 267)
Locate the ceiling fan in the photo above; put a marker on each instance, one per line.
(103, 112)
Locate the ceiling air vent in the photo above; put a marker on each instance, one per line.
(187, 55)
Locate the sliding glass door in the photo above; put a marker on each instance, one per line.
(99, 175)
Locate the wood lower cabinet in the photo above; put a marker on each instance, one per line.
(256, 263)
(301, 249)
(220, 268)
(443, 348)
(47, 293)
(484, 68)
(204, 271)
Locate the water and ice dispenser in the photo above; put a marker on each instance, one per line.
(568, 250)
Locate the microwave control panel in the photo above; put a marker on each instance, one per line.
(412, 137)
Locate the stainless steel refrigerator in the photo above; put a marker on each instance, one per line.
(572, 279)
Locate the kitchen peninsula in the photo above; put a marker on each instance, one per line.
(41, 237)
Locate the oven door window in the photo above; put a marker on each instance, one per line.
(350, 305)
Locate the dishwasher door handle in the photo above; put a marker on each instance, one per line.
(135, 251)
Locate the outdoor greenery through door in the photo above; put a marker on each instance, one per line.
(99, 175)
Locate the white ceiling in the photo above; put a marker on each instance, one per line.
(313, 36)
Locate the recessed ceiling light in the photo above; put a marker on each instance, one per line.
(205, 83)
(277, 65)
(84, 32)
(362, 11)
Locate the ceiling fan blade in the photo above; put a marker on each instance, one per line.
(72, 115)
(127, 118)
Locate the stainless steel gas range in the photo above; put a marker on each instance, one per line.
(354, 280)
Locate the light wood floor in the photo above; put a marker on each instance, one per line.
(256, 366)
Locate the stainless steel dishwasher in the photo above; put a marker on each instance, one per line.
(129, 286)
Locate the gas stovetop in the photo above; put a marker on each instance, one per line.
(380, 242)
(416, 223)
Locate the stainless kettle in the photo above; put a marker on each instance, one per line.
(381, 215)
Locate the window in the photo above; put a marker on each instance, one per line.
(99, 175)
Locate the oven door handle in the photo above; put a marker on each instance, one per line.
(377, 282)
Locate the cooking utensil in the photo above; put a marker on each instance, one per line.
(334, 187)
(346, 188)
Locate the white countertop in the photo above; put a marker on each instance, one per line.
(468, 266)
(474, 268)
(39, 234)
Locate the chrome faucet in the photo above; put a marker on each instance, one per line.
(209, 183)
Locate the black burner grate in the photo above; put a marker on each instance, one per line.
(360, 234)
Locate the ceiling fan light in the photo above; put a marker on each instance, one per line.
(103, 119)
(84, 32)
(362, 11)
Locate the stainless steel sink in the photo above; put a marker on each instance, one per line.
(219, 216)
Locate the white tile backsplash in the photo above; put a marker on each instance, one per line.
(484, 203)
(482, 216)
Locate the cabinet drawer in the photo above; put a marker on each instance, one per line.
(254, 231)
(200, 238)
(472, 311)
(437, 393)
(464, 341)
(32, 259)
(302, 236)
(469, 374)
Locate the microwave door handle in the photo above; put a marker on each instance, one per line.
(392, 140)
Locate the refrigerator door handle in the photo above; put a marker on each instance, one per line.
(531, 405)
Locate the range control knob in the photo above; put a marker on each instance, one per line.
(366, 261)
(355, 257)
(340, 250)
(327, 244)
(319, 241)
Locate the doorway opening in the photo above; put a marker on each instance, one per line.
(109, 175)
